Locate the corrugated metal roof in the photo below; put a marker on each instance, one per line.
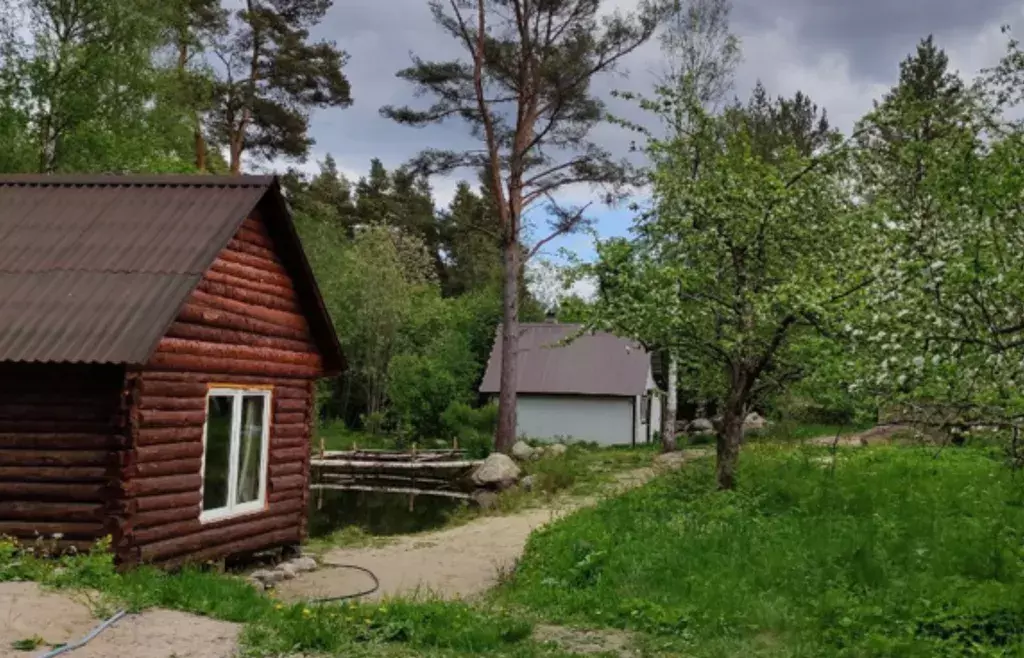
(592, 364)
(95, 268)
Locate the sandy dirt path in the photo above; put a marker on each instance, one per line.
(459, 562)
(27, 611)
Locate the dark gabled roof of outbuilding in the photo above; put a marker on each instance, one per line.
(595, 363)
(94, 269)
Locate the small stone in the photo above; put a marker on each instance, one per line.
(486, 500)
(557, 449)
(268, 577)
(288, 569)
(522, 451)
(527, 483)
(304, 564)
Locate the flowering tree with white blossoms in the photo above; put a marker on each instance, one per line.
(941, 180)
(735, 261)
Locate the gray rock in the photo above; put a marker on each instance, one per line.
(268, 577)
(522, 451)
(485, 499)
(257, 583)
(557, 450)
(497, 472)
(527, 483)
(288, 569)
(700, 425)
(754, 421)
(304, 564)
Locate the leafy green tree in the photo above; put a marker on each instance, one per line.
(734, 259)
(271, 75)
(86, 89)
(523, 86)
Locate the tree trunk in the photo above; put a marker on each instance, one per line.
(506, 436)
(668, 414)
(730, 436)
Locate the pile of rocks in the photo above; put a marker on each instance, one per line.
(523, 451)
(706, 427)
(500, 472)
(263, 579)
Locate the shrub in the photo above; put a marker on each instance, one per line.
(473, 428)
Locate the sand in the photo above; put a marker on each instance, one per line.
(26, 611)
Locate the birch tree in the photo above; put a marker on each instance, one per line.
(522, 87)
(701, 56)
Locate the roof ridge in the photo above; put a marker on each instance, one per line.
(135, 180)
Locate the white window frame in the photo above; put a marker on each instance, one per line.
(237, 509)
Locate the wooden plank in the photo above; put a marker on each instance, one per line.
(54, 457)
(147, 486)
(188, 362)
(284, 482)
(65, 491)
(168, 451)
(258, 542)
(151, 436)
(227, 350)
(48, 529)
(196, 541)
(54, 473)
(170, 467)
(412, 491)
(190, 331)
(59, 441)
(50, 511)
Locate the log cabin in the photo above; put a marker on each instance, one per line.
(160, 340)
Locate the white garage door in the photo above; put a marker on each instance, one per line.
(608, 421)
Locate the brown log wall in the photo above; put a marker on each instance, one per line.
(242, 326)
(63, 438)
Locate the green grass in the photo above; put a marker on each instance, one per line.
(893, 553)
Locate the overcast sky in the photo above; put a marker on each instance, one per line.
(842, 53)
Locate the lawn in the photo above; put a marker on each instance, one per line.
(895, 552)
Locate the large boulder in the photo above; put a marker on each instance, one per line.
(700, 426)
(556, 450)
(754, 421)
(497, 472)
(522, 451)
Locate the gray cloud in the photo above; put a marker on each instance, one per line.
(842, 53)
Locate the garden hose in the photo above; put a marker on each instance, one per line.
(345, 597)
(80, 643)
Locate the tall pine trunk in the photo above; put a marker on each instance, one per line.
(506, 436)
(668, 414)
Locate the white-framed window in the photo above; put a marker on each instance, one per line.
(236, 443)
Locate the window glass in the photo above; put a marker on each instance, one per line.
(250, 449)
(217, 457)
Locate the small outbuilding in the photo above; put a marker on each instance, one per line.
(160, 338)
(598, 387)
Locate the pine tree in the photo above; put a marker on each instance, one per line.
(523, 86)
(272, 76)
